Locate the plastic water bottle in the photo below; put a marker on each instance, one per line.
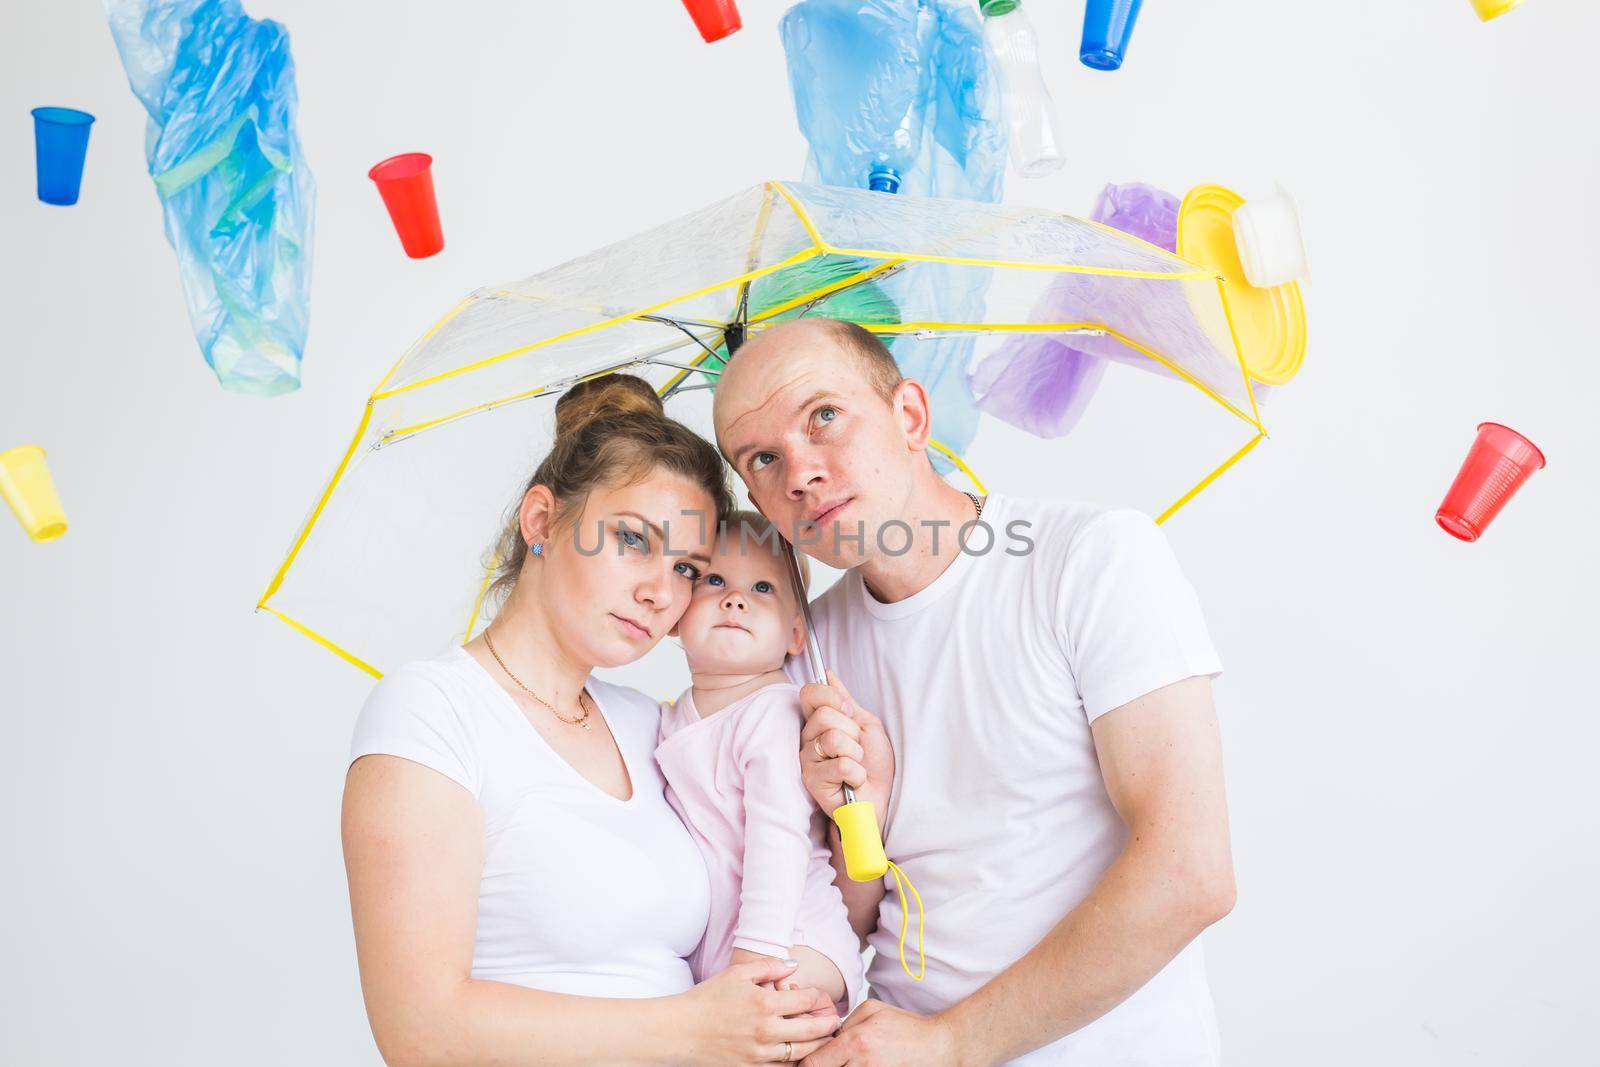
(1013, 46)
(862, 80)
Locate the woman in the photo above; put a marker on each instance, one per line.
(521, 890)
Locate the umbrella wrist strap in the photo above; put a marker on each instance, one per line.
(902, 883)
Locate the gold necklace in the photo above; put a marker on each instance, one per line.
(582, 720)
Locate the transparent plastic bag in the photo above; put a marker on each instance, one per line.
(237, 194)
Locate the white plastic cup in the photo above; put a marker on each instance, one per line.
(1272, 249)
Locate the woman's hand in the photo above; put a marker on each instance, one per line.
(731, 1019)
(744, 955)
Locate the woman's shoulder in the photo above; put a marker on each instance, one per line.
(436, 681)
(424, 712)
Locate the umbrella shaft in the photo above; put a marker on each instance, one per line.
(818, 669)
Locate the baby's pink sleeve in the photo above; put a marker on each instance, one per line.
(777, 824)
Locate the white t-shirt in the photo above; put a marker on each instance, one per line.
(986, 682)
(581, 892)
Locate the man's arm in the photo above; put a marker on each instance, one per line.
(1161, 758)
(861, 899)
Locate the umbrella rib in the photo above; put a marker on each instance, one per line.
(663, 320)
(670, 320)
(890, 272)
(396, 435)
(683, 366)
(826, 291)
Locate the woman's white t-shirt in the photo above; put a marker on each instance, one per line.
(581, 892)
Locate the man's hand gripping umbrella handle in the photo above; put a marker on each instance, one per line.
(864, 858)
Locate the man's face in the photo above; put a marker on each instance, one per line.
(814, 443)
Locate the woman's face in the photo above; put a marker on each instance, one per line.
(620, 576)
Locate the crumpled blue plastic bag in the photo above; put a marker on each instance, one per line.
(906, 84)
(862, 79)
(233, 181)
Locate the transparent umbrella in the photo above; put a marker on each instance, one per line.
(391, 561)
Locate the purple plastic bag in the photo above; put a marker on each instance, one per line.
(1041, 384)
(1148, 213)
(1038, 384)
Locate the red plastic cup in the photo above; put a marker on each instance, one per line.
(715, 19)
(406, 183)
(1500, 461)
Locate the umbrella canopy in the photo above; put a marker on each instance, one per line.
(396, 542)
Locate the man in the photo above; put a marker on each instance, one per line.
(1044, 758)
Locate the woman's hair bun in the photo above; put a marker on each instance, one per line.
(609, 394)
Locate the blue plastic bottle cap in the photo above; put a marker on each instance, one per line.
(884, 179)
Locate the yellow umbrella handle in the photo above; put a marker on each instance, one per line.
(864, 858)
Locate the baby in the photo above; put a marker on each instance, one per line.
(729, 749)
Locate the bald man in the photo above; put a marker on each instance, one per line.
(1022, 689)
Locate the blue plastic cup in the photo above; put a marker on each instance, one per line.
(60, 140)
(1107, 25)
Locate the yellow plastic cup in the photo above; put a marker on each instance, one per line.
(1493, 9)
(26, 484)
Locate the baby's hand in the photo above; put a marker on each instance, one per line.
(823, 1005)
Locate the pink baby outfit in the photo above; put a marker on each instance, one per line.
(734, 779)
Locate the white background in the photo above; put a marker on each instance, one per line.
(1410, 725)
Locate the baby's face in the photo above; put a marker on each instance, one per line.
(743, 616)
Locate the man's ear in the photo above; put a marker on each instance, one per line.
(914, 412)
(536, 517)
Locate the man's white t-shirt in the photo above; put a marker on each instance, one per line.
(986, 682)
(581, 892)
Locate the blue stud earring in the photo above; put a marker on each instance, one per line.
(536, 548)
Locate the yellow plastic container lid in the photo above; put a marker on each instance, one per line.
(1270, 323)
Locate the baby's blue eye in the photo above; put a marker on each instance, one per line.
(764, 586)
(714, 580)
(831, 414)
(761, 459)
